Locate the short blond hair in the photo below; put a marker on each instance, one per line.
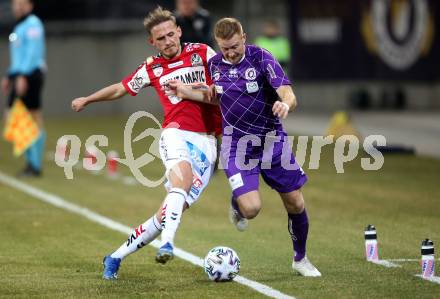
(156, 17)
(226, 28)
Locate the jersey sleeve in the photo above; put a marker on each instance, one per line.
(137, 80)
(209, 53)
(34, 47)
(272, 70)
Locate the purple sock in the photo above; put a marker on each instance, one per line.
(299, 228)
(234, 205)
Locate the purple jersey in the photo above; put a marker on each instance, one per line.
(247, 90)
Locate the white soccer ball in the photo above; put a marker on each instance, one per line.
(222, 264)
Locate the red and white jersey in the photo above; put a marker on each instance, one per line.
(191, 66)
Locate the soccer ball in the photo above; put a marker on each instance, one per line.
(222, 264)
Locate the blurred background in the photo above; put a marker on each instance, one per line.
(377, 59)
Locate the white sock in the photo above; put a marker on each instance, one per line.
(171, 213)
(140, 237)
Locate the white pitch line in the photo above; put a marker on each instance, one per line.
(406, 260)
(435, 279)
(116, 226)
(386, 263)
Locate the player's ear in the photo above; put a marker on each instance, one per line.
(150, 40)
(179, 31)
(244, 37)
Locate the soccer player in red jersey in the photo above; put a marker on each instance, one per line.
(189, 151)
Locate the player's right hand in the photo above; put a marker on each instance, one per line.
(280, 109)
(212, 94)
(175, 88)
(78, 104)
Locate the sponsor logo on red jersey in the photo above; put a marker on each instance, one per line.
(157, 71)
(189, 67)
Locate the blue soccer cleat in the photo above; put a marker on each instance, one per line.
(165, 253)
(111, 267)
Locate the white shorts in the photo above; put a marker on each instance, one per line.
(199, 150)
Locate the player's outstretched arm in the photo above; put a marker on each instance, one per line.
(288, 101)
(109, 93)
(197, 92)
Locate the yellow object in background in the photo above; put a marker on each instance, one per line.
(340, 124)
(20, 128)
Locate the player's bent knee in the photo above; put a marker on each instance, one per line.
(250, 204)
(250, 212)
(293, 201)
(298, 200)
(181, 176)
(298, 207)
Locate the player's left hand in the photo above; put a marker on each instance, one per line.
(280, 109)
(5, 86)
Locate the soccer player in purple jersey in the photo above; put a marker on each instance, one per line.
(254, 93)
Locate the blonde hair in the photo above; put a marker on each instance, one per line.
(156, 17)
(226, 28)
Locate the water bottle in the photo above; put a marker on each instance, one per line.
(428, 260)
(371, 248)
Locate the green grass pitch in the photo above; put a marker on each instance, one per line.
(49, 252)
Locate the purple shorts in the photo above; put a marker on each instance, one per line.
(276, 163)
